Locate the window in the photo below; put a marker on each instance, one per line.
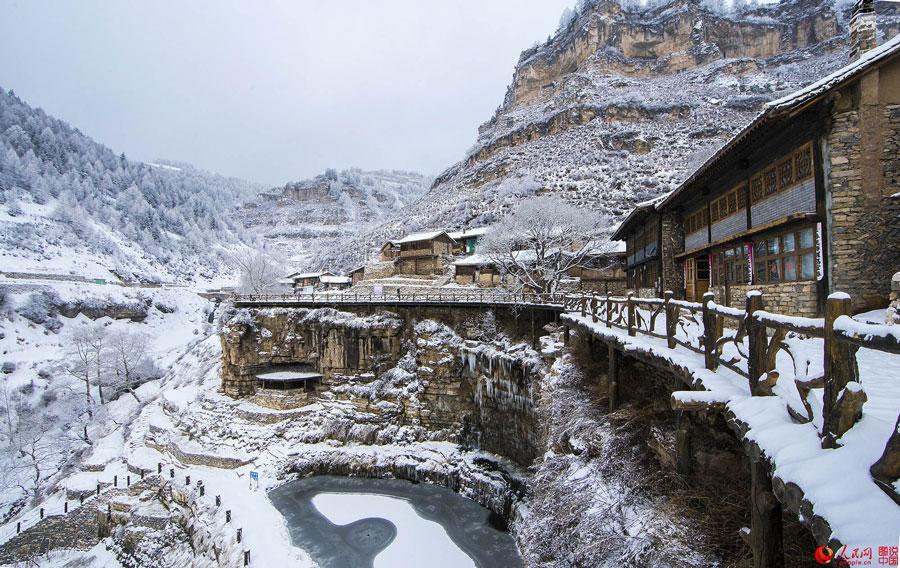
(794, 169)
(731, 265)
(696, 221)
(728, 204)
(787, 257)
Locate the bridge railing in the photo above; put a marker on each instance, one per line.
(443, 296)
(748, 342)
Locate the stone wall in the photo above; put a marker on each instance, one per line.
(863, 148)
(672, 237)
(795, 298)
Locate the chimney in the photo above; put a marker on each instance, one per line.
(862, 28)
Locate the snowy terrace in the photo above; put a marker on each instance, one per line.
(819, 422)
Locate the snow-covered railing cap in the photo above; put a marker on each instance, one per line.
(839, 296)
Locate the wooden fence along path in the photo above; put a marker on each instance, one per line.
(748, 341)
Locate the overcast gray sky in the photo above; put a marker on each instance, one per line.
(273, 90)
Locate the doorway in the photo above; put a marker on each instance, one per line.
(696, 277)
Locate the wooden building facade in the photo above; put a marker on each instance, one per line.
(798, 204)
(423, 254)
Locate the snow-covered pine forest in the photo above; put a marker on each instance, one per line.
(69, 204)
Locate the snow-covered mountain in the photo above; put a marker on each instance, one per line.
(303, 217)
(624, 99)
(69, 206)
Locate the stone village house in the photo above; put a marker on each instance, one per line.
(798, 204)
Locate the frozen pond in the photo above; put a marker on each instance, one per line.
(345, 522)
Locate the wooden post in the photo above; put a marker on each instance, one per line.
(566, 334)
(159, 467)
(239, 535)
(42, 512)
(756, 337)
(115, 481)
(840, 367)
(65, 506)
(246, 558)
(709, 333)
(629, 302)
(228, 516)
(671, 319)
(534, 340)
(594, 309)
(612, 378)
(765, 519)
(609, 305)
(683, 442)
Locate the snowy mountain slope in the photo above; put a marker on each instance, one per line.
(622, 102)
(305, 216)
(70, 205)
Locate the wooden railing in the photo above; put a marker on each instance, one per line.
(412, 296)
(749, 341)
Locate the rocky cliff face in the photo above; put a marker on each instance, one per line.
(620, 105)
(393, 376)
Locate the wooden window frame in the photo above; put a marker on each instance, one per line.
(773, 179)
(728, 204)
(696, 221)
(761, 262)
(728, 261)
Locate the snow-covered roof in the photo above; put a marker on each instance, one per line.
(329, 279)
(468, 233)
(288, 376)
(416, 237)
(635, 214)
(305, 275)
(473, 260)
(796, 101)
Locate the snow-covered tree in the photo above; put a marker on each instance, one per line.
(128, 361)
(542, 241)
(259, 271)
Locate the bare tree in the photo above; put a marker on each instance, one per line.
(96, 338)
(37, 453)
(128, 361)
(542, 241)
(80, 362)
(258, 271)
